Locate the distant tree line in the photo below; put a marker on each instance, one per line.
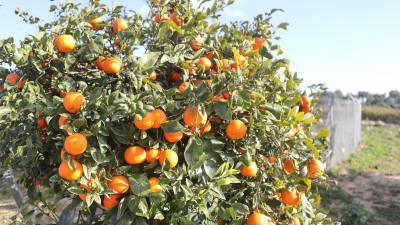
(390, 100)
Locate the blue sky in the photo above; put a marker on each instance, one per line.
(350, 45)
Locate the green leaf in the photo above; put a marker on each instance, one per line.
(194, 152)
(323, 132)
(222, 110)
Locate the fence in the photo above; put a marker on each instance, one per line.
(343, 119)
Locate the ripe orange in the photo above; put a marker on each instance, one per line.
(221, 222)
(236, 130)
(173, 136)
(182, 87)
(111, 201)
(119, 25)
(90, 185)
(12, 78)
(37, 183)
(65, 43)
(250, 170)
(111, 65)
(95, 23)
(193, 117)
(119, 184)
(305, 104)
(154, 184)
(135, 155)
(289, 166)
(146, 122)
(153, 76)
(75, 144)
(197, 44)
(240, 63)
(70, 174)
(271, 159)
(99, 62)
(315, 168)
(257, 218)
(174, 76)
(62, 121)
(73, 101)
(291, 198)
(159, 118)
(258, 43)
(204, 63)
(41, 123)
(1, 88)
(170, 156)
(152, 155)
(226, 94)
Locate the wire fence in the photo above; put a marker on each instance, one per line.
(343, 119)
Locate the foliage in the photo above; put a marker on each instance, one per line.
(392, 99)
(205, 187)
(354, 214)
(379, 113)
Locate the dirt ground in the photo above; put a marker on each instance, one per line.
(378, 194)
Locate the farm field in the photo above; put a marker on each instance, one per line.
(369, 180)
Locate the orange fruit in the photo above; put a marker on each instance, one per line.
(99, 62)
(204, 63)
(223, 64)
(62, 121)
(95, 23)
(182, 87)
(65, 43)
(111, 65)
(146, 122)
(70, 174)
(174, 76)
(119, 25)
(83, 197)
(226, 94)
(90, 185)
(305, 104)
(258, 43)
(41, 123)
(111, 201)
(197, 44)
(135, 155)
(193, 117)
(250, 170)
(170, 156)
(236, 130)
(153, 76)
(12, 78)
(154, 184)
(271, 159)
(159, 118)
(75, 144)
(119, 184)
(240, 63)
(73, 101)
(315, 168)
(152, 155)
(289, 166)
(290, 198)
(221, 222)
(257, 218)
(1, 88)
(173, 136)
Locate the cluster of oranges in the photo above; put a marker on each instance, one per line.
(195, 118)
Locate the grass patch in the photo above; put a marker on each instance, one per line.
(380, 152)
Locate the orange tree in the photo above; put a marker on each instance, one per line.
(168, 118)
